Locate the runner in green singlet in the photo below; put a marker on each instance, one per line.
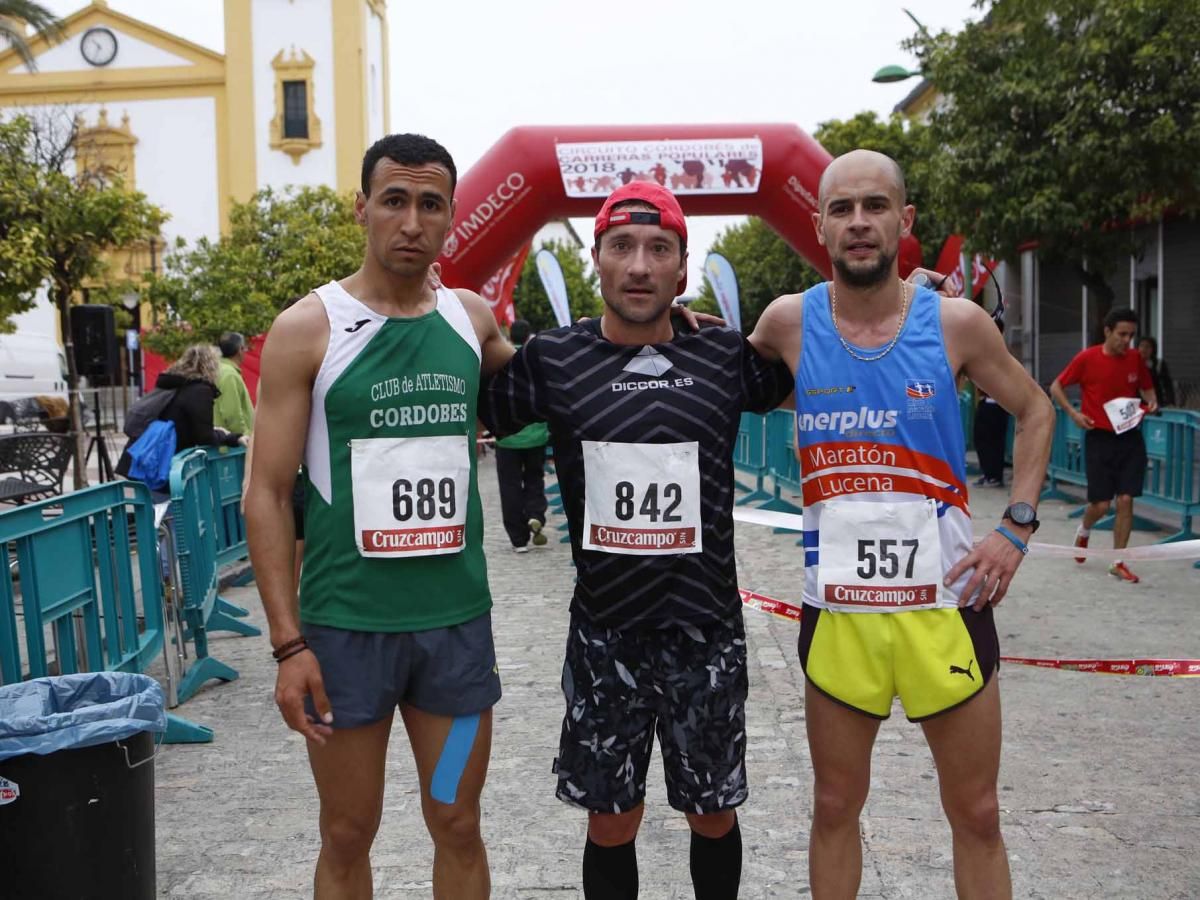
(371, 382)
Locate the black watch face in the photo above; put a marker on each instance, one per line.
(1021, 513)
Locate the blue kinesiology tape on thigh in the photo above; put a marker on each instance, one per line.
(453, 761)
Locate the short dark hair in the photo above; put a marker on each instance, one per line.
(1153, 342)
(231, 344)
(519, 331)
(407, 150)
(1120, 314)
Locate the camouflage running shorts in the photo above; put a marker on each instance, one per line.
(687, 682)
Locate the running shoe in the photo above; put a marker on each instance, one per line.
(535, 528)
(1081, 540)
(984, 481)
(1121, 571)
(524, 548)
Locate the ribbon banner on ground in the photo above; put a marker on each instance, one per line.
(1171, 668)
(693, 166)
(723, 280)
(498, 290)
(550, 271)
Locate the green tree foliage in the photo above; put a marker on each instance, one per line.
(767, 267)
(583, 289)
(280, 245)
(17, 17)
(1064, 120)
(57, 227)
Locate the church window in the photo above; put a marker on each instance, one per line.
(295, 109)
(295, 129)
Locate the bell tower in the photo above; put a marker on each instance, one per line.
(307, 88)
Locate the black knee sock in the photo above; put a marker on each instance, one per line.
(610, 873)
(717, 865)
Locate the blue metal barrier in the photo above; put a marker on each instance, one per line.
(194, 532)
(81, 576)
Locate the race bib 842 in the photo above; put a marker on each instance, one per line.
(641, 499)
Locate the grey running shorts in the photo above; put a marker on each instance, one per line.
(686, 682)
(444, 671)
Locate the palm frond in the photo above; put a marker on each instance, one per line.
(17, 16)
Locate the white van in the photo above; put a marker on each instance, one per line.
(32, 362)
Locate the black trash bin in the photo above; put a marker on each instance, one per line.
(77, 786)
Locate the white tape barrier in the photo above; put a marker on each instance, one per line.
(768, 518)
(1148, 553)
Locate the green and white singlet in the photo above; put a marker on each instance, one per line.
(393, 524)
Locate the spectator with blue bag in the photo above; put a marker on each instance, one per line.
(182, 408)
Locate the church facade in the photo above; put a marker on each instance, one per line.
(299, 93)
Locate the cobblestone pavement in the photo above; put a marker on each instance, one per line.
(1100, 790)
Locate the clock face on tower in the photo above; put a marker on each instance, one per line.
(98, 46)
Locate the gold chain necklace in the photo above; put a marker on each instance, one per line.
(904, 298)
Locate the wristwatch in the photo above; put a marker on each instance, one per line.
(1022, 514)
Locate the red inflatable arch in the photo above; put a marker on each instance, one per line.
(537, 173)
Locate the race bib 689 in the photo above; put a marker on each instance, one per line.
(410, 495)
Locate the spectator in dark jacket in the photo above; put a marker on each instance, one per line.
(1164, 387)
(194, 379)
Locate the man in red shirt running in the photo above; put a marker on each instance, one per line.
(1111, 376)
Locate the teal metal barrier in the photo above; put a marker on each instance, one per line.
(1171, 482)
(782, 463)
(226, 471)
(966, 412)
(1171, 479)
(750, 456)
(87, 570)
(194, 529)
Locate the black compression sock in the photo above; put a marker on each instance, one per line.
(610, 873)
(717, 865)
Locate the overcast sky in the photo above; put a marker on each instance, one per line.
(465, 72)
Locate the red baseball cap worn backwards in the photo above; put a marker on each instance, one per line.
(669, 215)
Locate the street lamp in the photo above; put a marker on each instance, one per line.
(890, 74)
